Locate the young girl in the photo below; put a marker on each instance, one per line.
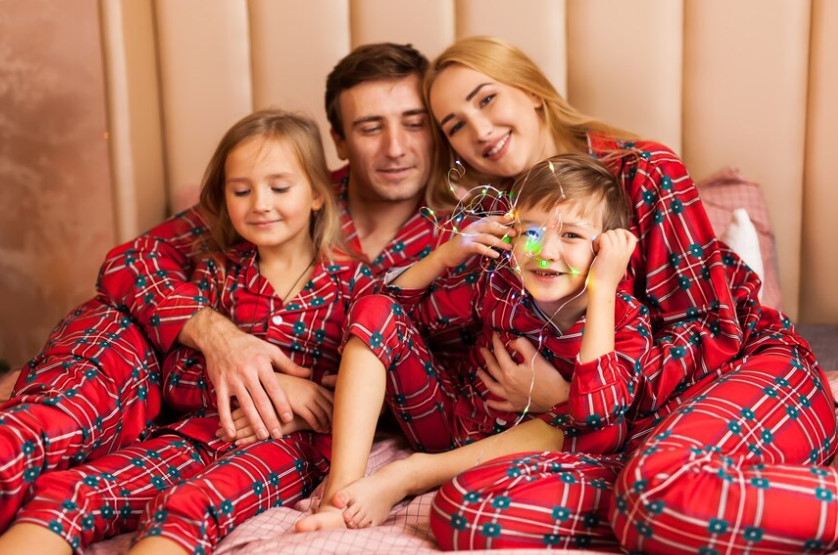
(739, 413)
(556, 277)
(280, 275)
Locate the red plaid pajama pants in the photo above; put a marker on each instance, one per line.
(735, 469)
(430, 403)
(170, 486)
(92, 390)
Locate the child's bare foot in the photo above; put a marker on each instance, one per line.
(367, 502)
(327, 517)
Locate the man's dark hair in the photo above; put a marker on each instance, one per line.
(370, 62)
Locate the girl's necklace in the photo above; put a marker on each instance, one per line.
(297, 281)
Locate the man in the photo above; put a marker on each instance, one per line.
(96, 386)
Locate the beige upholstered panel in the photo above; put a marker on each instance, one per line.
(819, 301)
(722, 82)
(745, 105)
(428, 25)
(292, 52)
(537, 27)
(205, 83)
(135, 134)
(625, 64)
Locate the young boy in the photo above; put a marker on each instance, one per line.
(553, 279)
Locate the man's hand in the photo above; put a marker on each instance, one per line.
(513, 382)
(311, 403)
(242, 366)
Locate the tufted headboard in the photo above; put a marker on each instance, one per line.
(743, 83)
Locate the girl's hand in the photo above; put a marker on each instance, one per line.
(613, 250)
(311, 403)
(481, 237)
(511, 381)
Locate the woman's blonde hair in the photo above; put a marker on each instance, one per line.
(507, 64)
(301, 134)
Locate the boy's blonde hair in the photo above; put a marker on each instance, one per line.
(578, 178)
(302, 136)
(507, 64)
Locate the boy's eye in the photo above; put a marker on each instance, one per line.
(571, 235)
(533, 233)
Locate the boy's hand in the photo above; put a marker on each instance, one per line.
(478, 238)
(613, 250)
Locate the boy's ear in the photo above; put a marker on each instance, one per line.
(340, 144)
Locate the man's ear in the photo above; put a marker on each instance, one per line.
(340, 144)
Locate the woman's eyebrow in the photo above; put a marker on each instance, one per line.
(469, 96)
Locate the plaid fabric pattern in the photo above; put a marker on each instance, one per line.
(92, 390)
(415, 239)
(432, 403)
(734, 387)
(201, 511)
(70, 415)
(308, 328)
(190, 492)
(727, 190)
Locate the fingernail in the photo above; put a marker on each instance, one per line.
(262, 434)
(276, 433)
(287, 416)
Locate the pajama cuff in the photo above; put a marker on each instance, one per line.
(170, 315)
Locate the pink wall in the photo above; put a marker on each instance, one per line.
(56, 221)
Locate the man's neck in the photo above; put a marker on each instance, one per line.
(377, 222)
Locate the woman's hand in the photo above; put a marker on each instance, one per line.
(613, 250)
(512, 382)
(481, 237)
(311, 403)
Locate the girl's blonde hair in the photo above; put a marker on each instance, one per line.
(302, 135)
(507, 64)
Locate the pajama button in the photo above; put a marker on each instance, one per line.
(277, 320)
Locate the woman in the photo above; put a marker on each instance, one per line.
(735, 404)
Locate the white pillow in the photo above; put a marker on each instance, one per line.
(741, 236)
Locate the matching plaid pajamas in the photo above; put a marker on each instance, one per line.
(444, 408)
(726, 451)
(96, 385)
(183, 483)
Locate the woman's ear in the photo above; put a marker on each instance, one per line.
(537, 101)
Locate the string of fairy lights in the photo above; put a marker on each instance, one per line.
(487, 200)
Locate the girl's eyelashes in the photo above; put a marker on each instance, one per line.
(241, 193)
(487, 99)
(279, 189)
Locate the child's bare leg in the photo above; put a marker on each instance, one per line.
(359, 394)
(369, 500)
(157, 546)
(24, 538)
